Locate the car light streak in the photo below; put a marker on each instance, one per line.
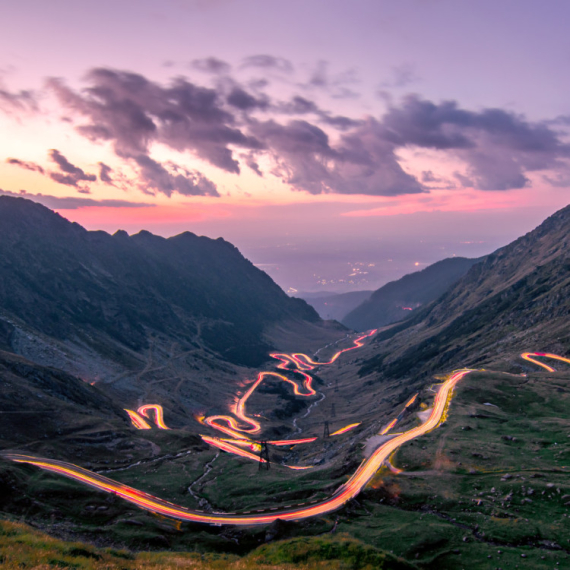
(345, 429)
(247, 443)
(293, 363)
(389, 426)
(137, 420)
(232, 431)
(158, 414)
(344, 493)
(399, 417)
(284, 442)
(411, 401)
(303, 359)
(225, 446)
(529, 356)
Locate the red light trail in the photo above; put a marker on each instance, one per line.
(291, 362)
(136, 420)
(528, 356)
(158, 414)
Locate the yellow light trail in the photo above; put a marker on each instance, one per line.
(233, 428)
(528, 356)
(225, 446)
(345, 429)
(411, 401)
(397, 419)
(306, 361)
(389, 426)
(137, 420)
(158, 414)
(344, 493)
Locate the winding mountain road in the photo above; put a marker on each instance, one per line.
(343, 494)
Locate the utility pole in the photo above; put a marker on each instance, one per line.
(264, 455)
(333, 412)
(326, 431)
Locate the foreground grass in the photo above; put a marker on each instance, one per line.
(23, 547)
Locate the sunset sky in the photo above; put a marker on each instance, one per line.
(338, 144)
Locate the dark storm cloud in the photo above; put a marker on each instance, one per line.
(251, 161)
(268, 62)
(338, 121)
(70, 174)
(429, 176)
(211, 65)
(302, 106)
(26, 165)
(105, 173)
(133, 112)
(72, 202)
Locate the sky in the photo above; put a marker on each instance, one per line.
(338, 145)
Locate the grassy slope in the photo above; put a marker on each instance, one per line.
(24, 547)
(453, 506)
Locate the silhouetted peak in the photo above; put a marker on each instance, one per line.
(146, 237)
(28, 217)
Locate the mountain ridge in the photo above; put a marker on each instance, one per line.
(115, 284)
(398, 299)
(499, 305)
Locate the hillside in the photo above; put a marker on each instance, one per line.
(515, 299)
(40, 403)
(99, 290)
(397, 299)
(334, 305)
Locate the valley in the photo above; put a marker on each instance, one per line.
(163, 422)
(225, 479)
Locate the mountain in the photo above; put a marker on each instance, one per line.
(395, 300)
(39, 403)
(514, 300)
(116, 293)
(334, 305)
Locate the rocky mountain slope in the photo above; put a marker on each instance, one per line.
(39, 403)
(99, 290)
(397, 299)
(515, 300)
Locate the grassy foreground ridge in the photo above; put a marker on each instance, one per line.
(24, 547)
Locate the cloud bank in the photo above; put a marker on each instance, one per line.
(232, 126)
